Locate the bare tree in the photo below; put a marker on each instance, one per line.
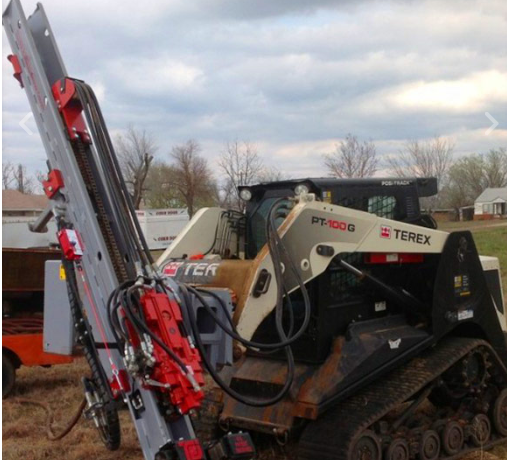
(41, 176)
(471, 175)
(495, 168)
(23, 182)
(352, 159)
(424, 159)
(271, 174)
(160, 189)
(241, 165)
(7, 175)
(192, 176)
(135, 151)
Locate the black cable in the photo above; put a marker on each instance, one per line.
(127, 197)
(125, 296)
(232, 332)
(275, 244)
(222, 304)
(111, 310)
(108, 172)
(120, 198)
(141, 325)
(279, 307)
(216, 377)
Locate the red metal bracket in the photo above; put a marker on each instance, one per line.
(53, 184)
(189, 449)
(64, 92)
(17, 68)
(119, 383)
(71, 244)
(163, 317)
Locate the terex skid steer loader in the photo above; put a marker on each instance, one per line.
(351, 312)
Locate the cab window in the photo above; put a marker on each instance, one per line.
(382, 206)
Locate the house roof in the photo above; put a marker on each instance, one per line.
(491, 194)
(13, 200)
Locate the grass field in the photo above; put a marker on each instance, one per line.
(23, 426)
(490, 238)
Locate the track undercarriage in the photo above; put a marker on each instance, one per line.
(442, 405)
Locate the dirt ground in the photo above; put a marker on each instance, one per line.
(24, 425)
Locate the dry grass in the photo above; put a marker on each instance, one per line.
(499, 452)
(23, 426)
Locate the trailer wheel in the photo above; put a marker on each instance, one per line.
(8, 375)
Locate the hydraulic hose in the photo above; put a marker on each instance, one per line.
(50, 434)
(275, 244)
(281, 290)
(215, 375)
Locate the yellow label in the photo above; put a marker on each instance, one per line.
(62, 273)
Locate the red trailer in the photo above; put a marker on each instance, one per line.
(23, 304)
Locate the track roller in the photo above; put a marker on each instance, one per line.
(429, 448)
(398, 450)
(480, 430)
(500, 413)
(452, 438)
(366, 447)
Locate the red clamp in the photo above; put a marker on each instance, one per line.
(64, 92)
(53, 184)
(71, 244)
(17, 68)
(163, 317)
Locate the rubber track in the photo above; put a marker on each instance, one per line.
(331, 437)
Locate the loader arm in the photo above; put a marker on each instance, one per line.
(313, 233)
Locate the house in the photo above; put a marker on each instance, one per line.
(491, 203)
(15, 203)
(18, 210)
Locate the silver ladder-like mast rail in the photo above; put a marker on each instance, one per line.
(104, 249)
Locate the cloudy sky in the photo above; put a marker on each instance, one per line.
(292, 76)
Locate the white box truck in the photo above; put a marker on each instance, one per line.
(161, 226)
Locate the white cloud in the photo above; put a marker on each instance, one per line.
(471, 93)
(293, 76)
(146, 76)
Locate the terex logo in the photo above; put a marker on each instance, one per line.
(336, 224)
(412, 237)
(385, 231)
(172, 268)
(191, 269)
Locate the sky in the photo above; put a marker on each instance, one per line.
(293, 77)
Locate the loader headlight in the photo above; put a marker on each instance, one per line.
(245, 194)
(301, 188)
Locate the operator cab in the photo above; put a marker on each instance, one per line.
(391, 198)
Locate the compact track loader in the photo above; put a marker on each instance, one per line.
(374, 314)
(329, 314)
